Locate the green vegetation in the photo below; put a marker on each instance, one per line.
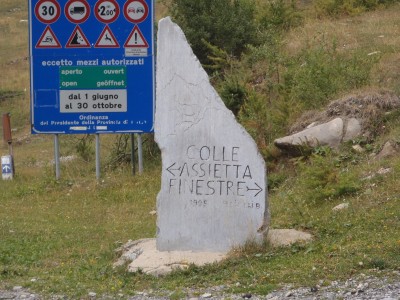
(281, 60)
(227, 24)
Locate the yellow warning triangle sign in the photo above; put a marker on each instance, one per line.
(107, 39)
(48, 39)
(78, 39)
(136, 39)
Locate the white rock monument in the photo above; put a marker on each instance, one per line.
(213, 189)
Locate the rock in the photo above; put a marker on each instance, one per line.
(358, 114)
(206, 296)
(362, 287)
(353, 129)
(341, 207)
(213, 189)
(327, 134)
(247, 296)
(381, 171)
(289, 294)
(389, 149)
(144, 256)
(287, 237)
(358, 148)
(331, 134)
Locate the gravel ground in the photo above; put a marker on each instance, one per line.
(360, 288)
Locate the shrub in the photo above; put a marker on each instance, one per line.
(233, 93)
(281, 15)
(84, 147)
(227, 24)
(121, 151)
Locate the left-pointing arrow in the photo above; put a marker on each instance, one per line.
(171, 169)
(258, 188)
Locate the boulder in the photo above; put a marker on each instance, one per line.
(342, 120)
(213, 188)
(389, 149)
(330, 134)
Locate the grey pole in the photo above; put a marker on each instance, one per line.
(140, 153)
(57, 156)
(133, 153)
(98, 156)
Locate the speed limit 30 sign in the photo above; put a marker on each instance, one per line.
(47, 11)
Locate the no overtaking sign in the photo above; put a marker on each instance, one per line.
(92, 66)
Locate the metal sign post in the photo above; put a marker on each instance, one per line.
(57, 156)
(98, 156)
(7, 137)
(92, 66)
(133, 154)
(140, 153)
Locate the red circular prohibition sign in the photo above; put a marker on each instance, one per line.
(104, 12)
(47, 11)
(136, 11)
(77, 11)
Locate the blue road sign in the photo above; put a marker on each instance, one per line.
(6, 169)
(92, 66)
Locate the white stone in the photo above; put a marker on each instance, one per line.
(213, 188)
(287, 237)
(353, 129)
(383, 171)
(289, 294)
(327, 134)
(341, 206)
(358, 148)
(153, 262)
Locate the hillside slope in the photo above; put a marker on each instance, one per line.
(59, 237)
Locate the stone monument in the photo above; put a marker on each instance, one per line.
(213, 189)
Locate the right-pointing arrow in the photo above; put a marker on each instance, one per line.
(258, 188)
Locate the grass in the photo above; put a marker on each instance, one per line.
(71, 228)
(374, 32)
(59, 237)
